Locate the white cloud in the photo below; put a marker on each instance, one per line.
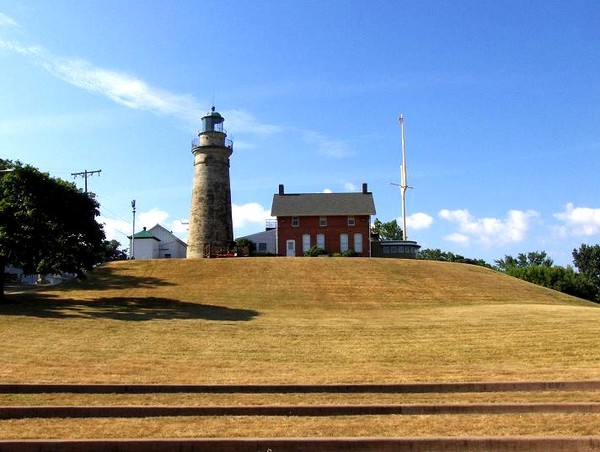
(115, 229)
(122, 88)
(349, 186)
(249, 213)
(418, 221)
(328, 190)
(457, 238)
(131, 91)
(244, 122)
(489, 231)
(151, 218)
(579, 221)
(7, 21)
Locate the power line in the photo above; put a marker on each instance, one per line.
(85, 174)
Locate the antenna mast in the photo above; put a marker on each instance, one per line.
(403, 179)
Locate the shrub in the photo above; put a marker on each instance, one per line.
(315, 251)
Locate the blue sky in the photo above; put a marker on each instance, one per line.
(501, 101)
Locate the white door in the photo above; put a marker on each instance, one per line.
(290, 248)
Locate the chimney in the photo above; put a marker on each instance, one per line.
(365, 188)
(281, 190)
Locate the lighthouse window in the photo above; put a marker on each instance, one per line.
(295, 222)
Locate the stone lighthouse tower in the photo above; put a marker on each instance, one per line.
(211, 226)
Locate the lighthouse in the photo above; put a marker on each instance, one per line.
(211, 225)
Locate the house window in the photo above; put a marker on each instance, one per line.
(322, 221)
(343, 243)
(351, 221)
(262, 247)
(295, 222)
(321, 241)
(358, 246)
(305, 242)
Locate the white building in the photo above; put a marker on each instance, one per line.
(157, 243)
(263, 242)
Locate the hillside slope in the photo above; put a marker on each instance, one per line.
(318, 320)
(316, 280)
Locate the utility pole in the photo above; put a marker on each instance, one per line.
(85, 174)
(132, 256)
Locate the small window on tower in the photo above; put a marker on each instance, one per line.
(351, 221)
(322, 221)
(295, 222)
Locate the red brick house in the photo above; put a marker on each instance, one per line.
(336, 222)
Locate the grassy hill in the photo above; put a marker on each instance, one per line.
(275, 320)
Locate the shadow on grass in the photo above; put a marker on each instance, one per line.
(113, 278)
(132, 309)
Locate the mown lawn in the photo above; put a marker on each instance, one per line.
(300, 320)
(268, 320)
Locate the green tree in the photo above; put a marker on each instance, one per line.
(538, 268)
(587, 261)
(111, 251)
(525, 260)
(387, 231)
(563, 279)
(446, 256)
(47, 225)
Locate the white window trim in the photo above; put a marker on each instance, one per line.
(343, 242)
(321, 243)
(351, 221)
(305, 242)
(358, 249)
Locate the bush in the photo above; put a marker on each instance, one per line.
(563, 279)
(314, 252)
(349, 253)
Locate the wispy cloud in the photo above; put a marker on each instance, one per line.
(129, 90)
(488, 231)
(244, 122)
(122, 88)
(327, 146)
(579, 221)
(7, 21)
(133, 92)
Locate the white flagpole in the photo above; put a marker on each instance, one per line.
(403, 180)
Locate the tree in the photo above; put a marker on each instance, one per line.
(111, 251)
(387, 231)
(538, 268)
(587, 261)
(525, 260)
(47, 225)
(446, 256)
(559, 278)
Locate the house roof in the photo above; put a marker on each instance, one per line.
(170, 233)
(144, 234)
(308, 204)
